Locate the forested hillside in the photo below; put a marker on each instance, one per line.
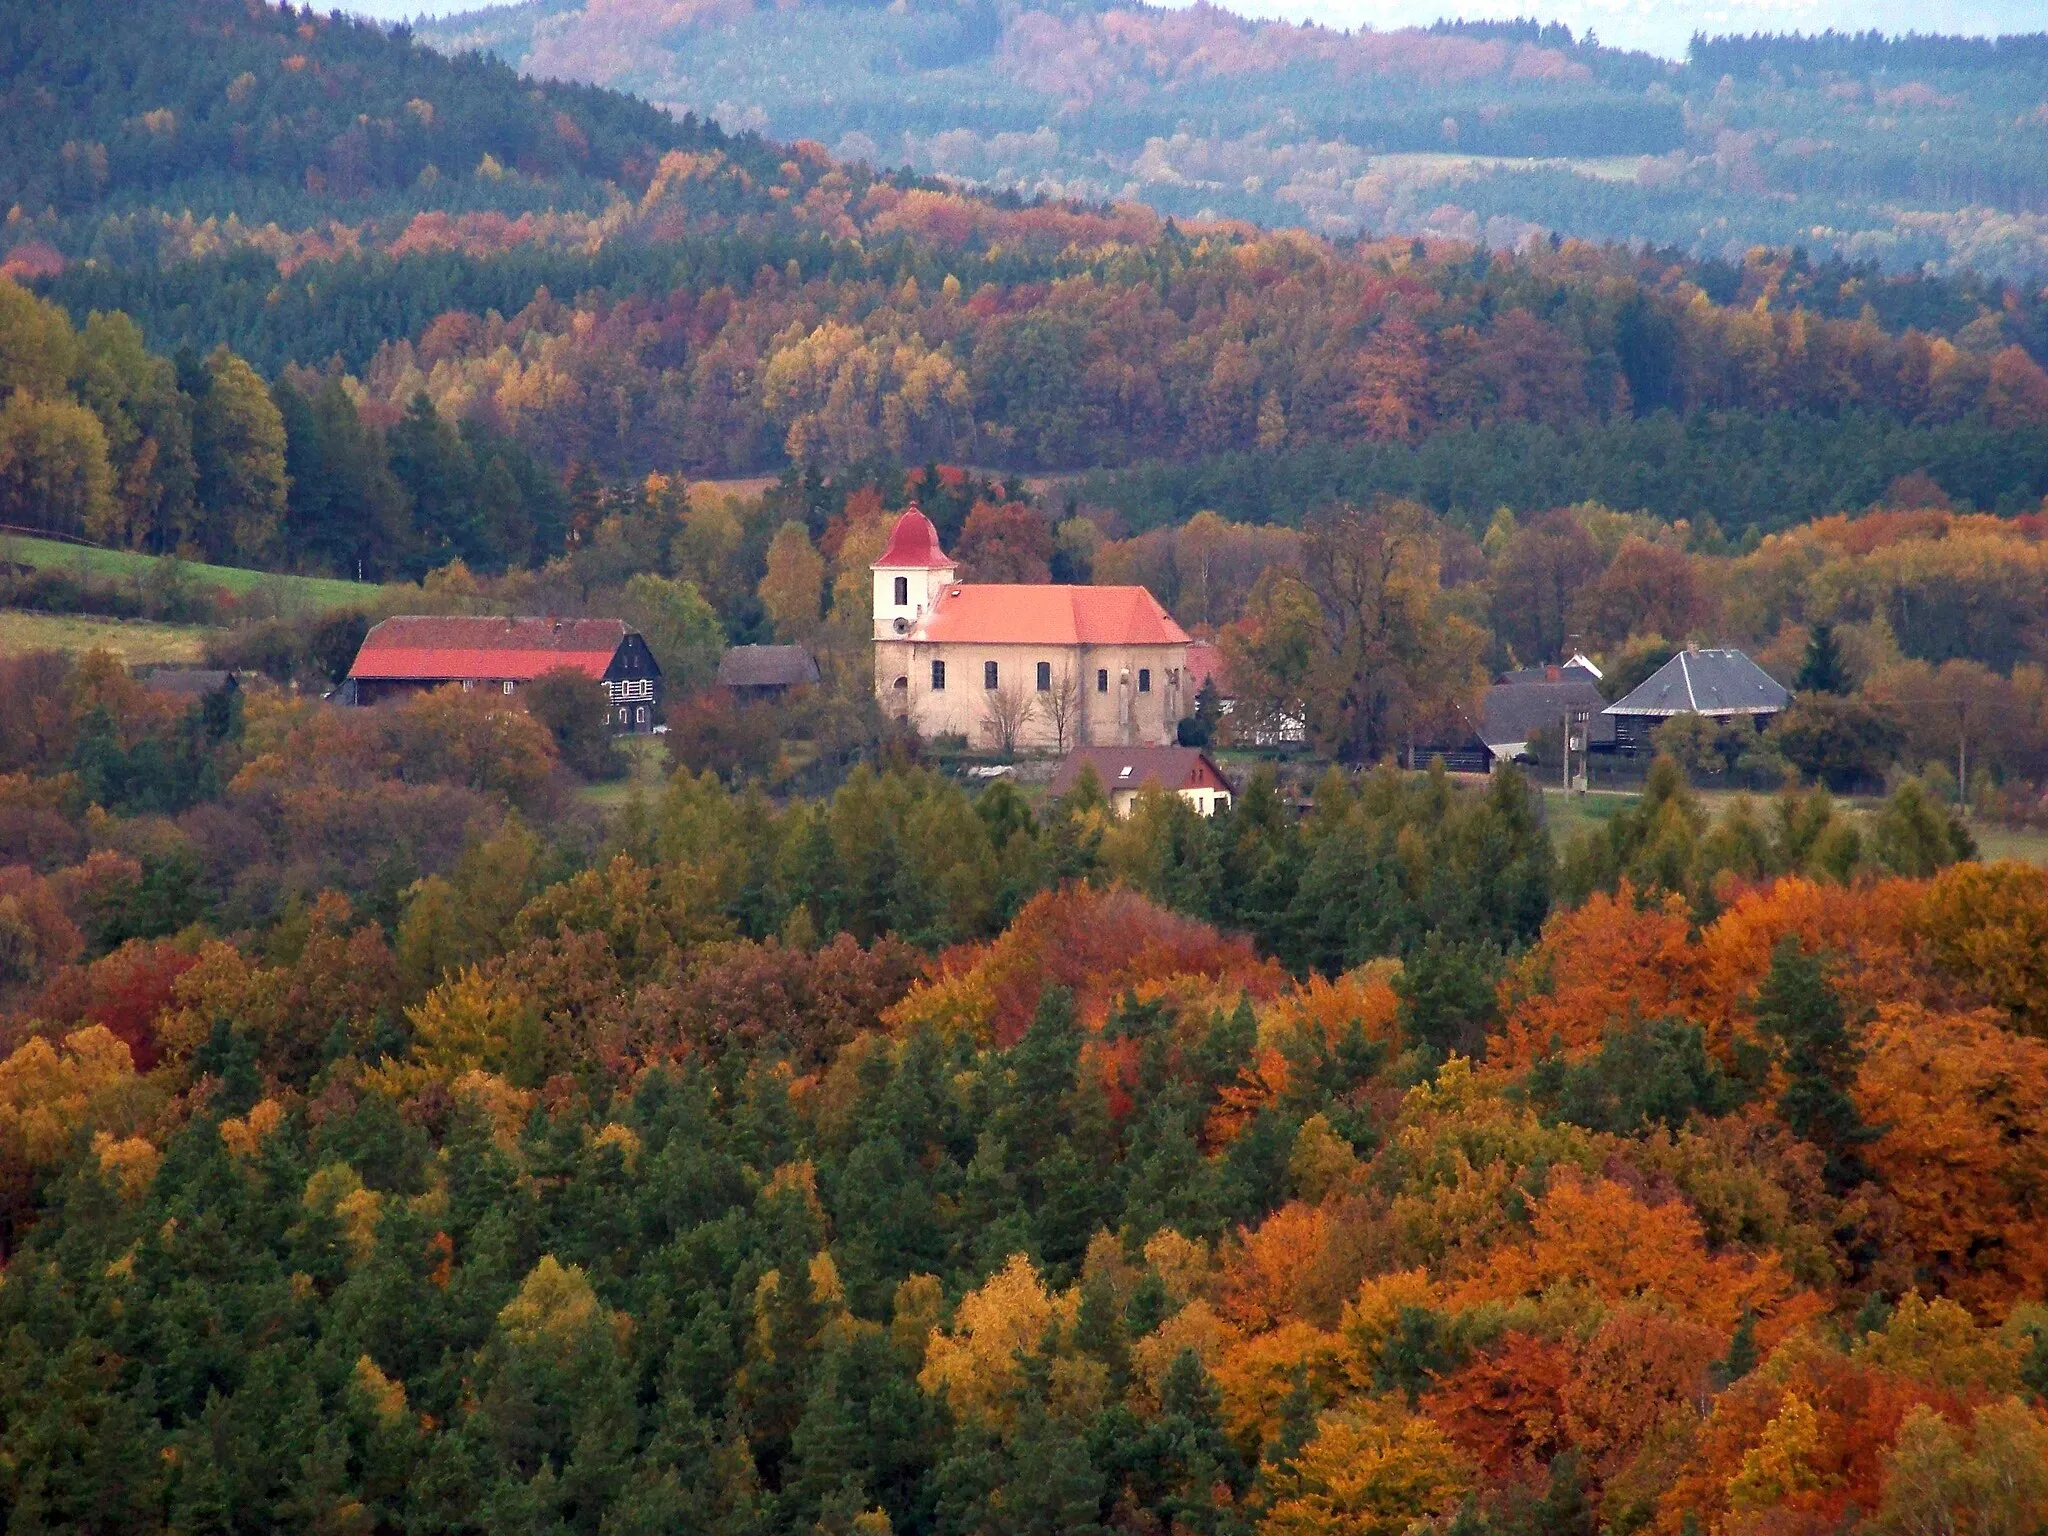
(1902, 151)
(257, 110)
(388, 1143)
(588, 286)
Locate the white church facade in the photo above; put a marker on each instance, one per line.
(1030, 667)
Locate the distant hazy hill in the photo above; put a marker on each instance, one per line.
(1921, 150)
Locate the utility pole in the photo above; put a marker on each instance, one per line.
(1578, 737)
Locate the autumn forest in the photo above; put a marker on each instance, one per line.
(448, 1117)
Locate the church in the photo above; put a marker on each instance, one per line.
(1020, 667)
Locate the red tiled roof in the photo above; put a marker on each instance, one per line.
(991, 614)
(914, 542)
(1205, 662)
(429, 649)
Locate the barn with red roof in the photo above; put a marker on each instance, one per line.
(1010, 666)
(412, 653)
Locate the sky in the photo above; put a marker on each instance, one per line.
(1656, 26)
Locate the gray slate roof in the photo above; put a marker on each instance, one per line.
(766, 666)
(1566, 673)
(189, 682)
(1709, 682)
(1512, 712)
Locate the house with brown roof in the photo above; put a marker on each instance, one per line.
(413, 653)
(1014, 666)
(1126, 772)
(753, 673)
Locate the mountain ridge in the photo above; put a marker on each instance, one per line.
(1904, 150)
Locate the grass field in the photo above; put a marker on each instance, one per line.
(1569, 815)
(740, 487)
(292, 592)
(2021, 843)
(649, 773)
(135, 641)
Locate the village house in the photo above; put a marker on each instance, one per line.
(1126, 772)
(1721, 683)
(1513, 714)
(1016, 666)
(765, 673)
(1579, 667)
(411, 654)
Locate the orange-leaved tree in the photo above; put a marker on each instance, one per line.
(1963, 1106)
(1796, 1445)
(1598, 1234)
(1097, 943)
(1598, 965)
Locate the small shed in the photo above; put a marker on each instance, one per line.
(765, 671)
(1125, 771)
(1721, 683)
(191, 682)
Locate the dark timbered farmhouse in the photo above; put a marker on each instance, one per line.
(411, 654)
(1722, 683)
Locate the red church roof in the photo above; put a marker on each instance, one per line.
(992, 614)
(914, 542)
(432, 649)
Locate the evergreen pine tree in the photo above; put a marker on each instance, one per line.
(1822, 671)
(1801, 1014)
(1052, 1487)
(1447, 991)
(1742, 1355)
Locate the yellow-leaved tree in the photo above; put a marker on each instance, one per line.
(50, 1092)
(1986, 928)
(793, 586)
(1373, 1473)
(474, 1021)
(978, 1362)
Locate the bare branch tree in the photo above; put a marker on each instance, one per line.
(1010, 708)
(1062, 705)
